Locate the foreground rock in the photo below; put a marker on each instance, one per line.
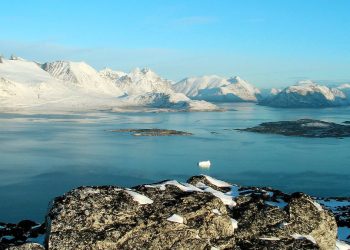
(303, 127)
(151, 132)
(204, 213)
(194, 215)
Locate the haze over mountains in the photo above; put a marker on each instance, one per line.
(71, 86)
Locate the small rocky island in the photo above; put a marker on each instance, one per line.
(203, 213)
(152, 132)
(302, 127)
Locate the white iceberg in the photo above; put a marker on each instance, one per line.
(204, 164)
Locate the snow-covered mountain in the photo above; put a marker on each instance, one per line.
(170, 101)
(143, 87)
(307, 94)
(217, 89)
(138, 81)
(267, 93)
(71, 86)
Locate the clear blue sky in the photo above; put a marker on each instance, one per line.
(269, 43)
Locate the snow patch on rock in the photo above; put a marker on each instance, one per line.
(176, 218)
(141, 199)
(308, 237)
(217, 182)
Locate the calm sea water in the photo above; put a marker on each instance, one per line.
(43, 156)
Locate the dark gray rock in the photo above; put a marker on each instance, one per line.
(303, 127)
(14, 235)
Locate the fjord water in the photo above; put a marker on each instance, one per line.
(43, 156)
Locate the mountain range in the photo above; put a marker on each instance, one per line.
(72, 86)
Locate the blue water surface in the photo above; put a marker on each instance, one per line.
(43, 156)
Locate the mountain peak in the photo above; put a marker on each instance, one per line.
(306, 82)
(237, 79)
(142, 71)
(16, 58)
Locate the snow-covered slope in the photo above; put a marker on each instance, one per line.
(25, 85)
(217, 89)
(170, 101)
(23, 71)
(307, 94)
(190, 86)
(345, 88)
(83, 75)
(75, 86)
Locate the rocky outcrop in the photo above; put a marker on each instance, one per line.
(27, 246)
(15, 235)
(195, 215)
(203, 213)
(302, 127)
(151, 132)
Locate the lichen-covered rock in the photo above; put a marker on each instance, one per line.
(111, 218)
(203, 213)
(277, 244)
(307, 217)
(27, 246)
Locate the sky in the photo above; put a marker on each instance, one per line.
(267, 42)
